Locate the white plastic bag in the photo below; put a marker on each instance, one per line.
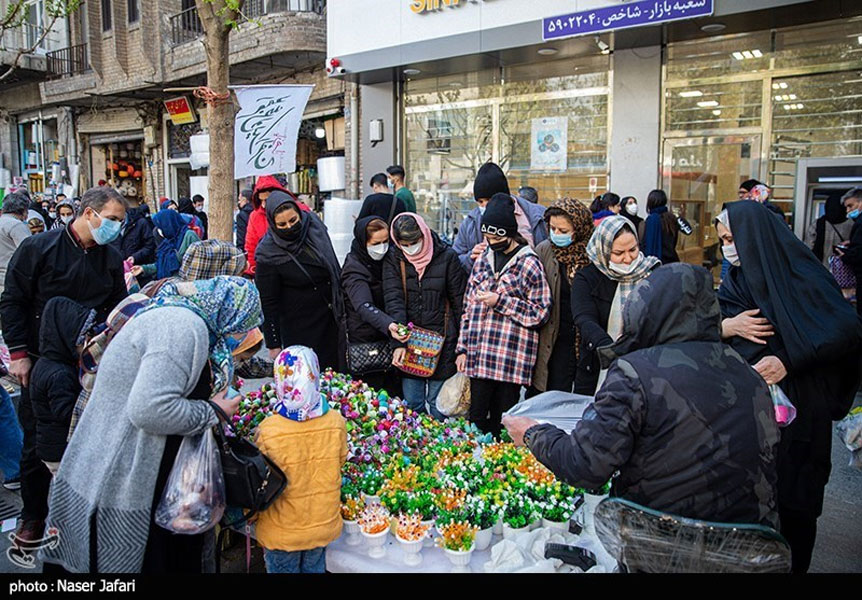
(560, 409)
(194, 497)
(785, 412)
(454, 397)
(850, 430)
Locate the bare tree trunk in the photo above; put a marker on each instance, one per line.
(220, 117)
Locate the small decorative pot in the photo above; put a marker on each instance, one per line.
(510, 533)
(353, 530)
(376, 543)
(412, 551)
(369, 499)
(561, 525)
(483, 538)
(498, 527)
(460, 559)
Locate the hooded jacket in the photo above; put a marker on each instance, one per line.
(54, 385)
(257, 224)
(687, 423)
(444, 281)
(242, 218)
(136, 238)
(469, 234)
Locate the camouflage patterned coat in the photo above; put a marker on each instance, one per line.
(683, 418)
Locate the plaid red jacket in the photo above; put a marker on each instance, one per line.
(502, 343)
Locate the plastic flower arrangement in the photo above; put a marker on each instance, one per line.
(519, 512)
(421, 503)
(458, 536)
(557, 510)
(351, 508)
(374, 519)
(411, 529)
(481, 512)
(371, 481)
(450, 498)
(395, 501)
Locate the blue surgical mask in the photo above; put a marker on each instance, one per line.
(561, 240)
(107, 231)
(853, 214)
(482, 210)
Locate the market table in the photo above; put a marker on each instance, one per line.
(341, 558)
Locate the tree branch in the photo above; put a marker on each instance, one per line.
(30, 50)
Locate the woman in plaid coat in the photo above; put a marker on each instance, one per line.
(506, 303)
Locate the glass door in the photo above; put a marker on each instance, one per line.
(699, 175)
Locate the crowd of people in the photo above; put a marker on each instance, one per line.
(528, 299)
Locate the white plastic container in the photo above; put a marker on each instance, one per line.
(510, 533)
(460, 559)
(353, 530)
(483, 538)
(376, 543)
(562, 526)
(412, 551)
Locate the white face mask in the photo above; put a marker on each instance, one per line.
(632, 209)
(482, 210)
(67, 219)
(52, 214)
(730, 253)
(413, 249)
(625, 269)
(378, 251)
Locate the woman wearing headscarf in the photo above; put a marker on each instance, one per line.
(570, 224)
(434, 280)
(829, 230)
(660, 231)
(299, 279)
(176, 237)
(629, 209)
(362, 280)
(36, 222)
(65, 214)
(599, 291)
(166, 203)
(116, 466)
(186, 207)
(809, 346)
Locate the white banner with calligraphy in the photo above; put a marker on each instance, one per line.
(266, 128)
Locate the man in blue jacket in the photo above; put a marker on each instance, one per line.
(490, 180)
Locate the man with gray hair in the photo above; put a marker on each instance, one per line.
(78, 263)
(13, 229)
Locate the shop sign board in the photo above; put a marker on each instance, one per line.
(549, 143)
(266, 128)
(631, 14)
(180, 110)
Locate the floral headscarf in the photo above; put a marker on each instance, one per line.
(599, 251)
(297, 384)
(574, 256)
(226, 304)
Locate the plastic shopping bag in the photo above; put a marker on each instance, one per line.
(850, 430)
(785, 412)
(454, 397)
(194, 497)
(132, 284)
(560, 409)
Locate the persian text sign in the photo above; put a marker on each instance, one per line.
(266, 128)
(633, 14)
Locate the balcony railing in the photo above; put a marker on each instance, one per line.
(68, 61)
(186, 26)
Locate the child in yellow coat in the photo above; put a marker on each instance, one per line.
(309, 443)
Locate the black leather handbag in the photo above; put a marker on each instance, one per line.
(369, 357)
(252, 481)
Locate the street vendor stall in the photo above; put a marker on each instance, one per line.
(428, 496)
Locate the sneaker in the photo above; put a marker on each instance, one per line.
(12, 484)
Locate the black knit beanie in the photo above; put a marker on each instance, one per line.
(499, 217)
(490, 180)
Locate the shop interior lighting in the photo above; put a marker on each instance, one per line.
(716, 112)
(411, 71)
(785, 97)
(713, 27)
(320, 133)
(547, 51)
(839, 179)
(782, 85)
(691, 94)
(859, 39)
(708, 103)
(793, 106)
(747, 54)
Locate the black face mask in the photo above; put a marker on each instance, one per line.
(291, 233)
(499, 246)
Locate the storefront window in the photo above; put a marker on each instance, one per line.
(721, 106)
(546, 125)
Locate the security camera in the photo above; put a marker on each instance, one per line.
(340, 70)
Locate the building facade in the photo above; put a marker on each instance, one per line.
(758, 89)
(109, 77)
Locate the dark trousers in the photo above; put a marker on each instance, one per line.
(35, 476)
(800, 531)
(489, 400)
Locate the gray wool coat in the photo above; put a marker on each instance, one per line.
(108, 473)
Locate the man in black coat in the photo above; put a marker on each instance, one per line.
(245, 210)
(851, 255)
(685, 420)
(76, 262)
(136, 241)
(198, 202)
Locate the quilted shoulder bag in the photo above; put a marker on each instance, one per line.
(842, 273)
(369, 357)
(424, 346)
(252, 481)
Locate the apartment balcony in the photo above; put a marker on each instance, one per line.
(68, 61)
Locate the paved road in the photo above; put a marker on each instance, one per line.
(839, 534)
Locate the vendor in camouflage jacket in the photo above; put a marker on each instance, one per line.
(687, 423)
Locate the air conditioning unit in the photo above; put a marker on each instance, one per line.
(150, 138)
